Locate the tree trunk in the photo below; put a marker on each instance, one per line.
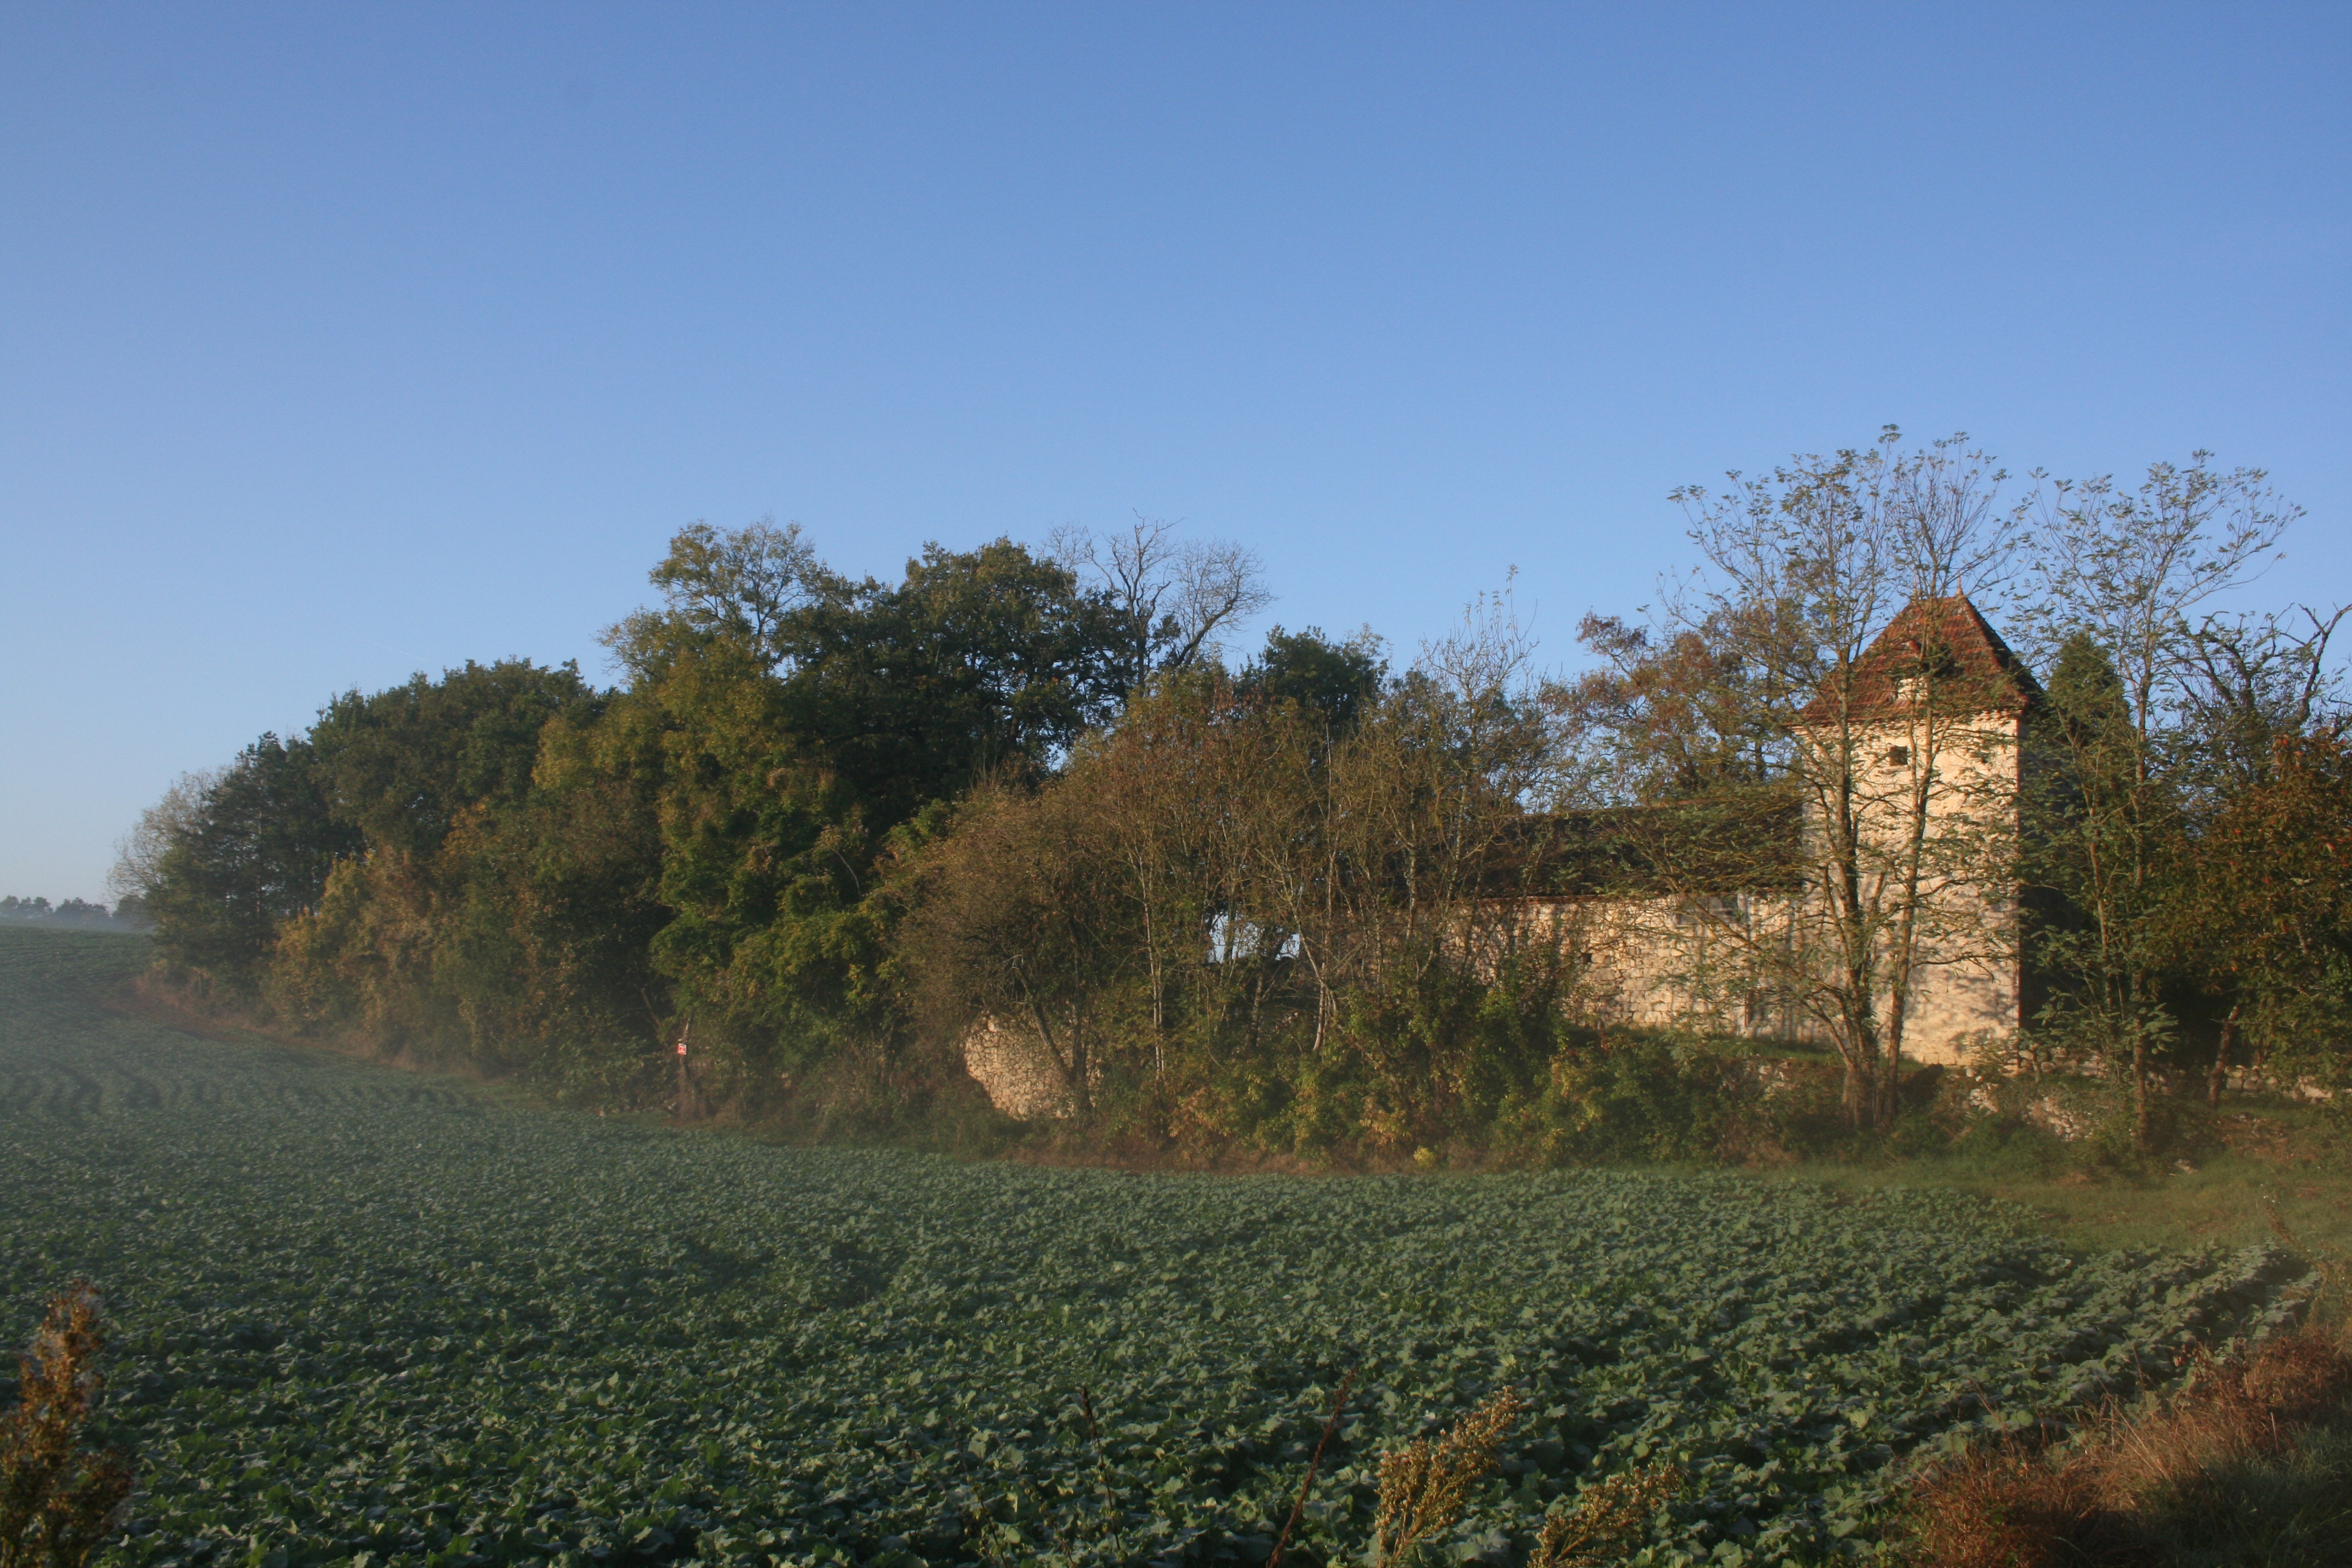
(1082, 1092)
(2218, 1077)
(1859, 1089)
(2143, 1115)
(1890, 1065)
(1322, 1005)
(1159, 1011)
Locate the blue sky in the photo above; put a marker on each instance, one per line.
(338, 343)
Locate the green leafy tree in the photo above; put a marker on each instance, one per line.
(742, 585)
(403, 765)
(2108, 840)
(252, 852)
(2117, 575)
(2263, 915)
(808, 723)
(2259, 694)
(1335, 682)
(977, 660)
(766, 864)
(522, 939)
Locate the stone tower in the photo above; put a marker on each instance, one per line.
(1933, 723)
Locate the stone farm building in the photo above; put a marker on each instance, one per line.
(1670, 908)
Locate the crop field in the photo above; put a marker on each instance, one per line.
(369, 1316)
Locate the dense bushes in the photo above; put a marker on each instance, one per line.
(827, 828)
(1240, 914)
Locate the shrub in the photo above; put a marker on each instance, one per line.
(57, 1500)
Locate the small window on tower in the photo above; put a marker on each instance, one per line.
(1898, 756)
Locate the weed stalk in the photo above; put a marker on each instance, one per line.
(58, 1500)
(1425, 1486)
(1330, 1424)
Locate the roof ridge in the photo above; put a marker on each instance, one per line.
(1973, 648)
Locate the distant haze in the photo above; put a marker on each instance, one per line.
(339, 344)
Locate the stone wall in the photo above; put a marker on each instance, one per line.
(1661, 963)
(1664, 962)
(1020, 1076)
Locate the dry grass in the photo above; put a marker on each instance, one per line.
(1606, 1521)
(57, 1500)
(1424, 1485)
(2212, 1474)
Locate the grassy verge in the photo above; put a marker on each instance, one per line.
(2248, 1460)
(2251, 1462)
(2284, 1156)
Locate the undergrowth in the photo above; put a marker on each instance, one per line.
(2248, 1462)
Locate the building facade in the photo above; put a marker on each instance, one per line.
(1916, 767)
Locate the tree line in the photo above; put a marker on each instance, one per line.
(126, 915)
(822, 827)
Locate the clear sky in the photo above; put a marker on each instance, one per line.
(339, 341)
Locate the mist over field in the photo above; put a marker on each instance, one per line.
(359, 1309)
(1554, 786)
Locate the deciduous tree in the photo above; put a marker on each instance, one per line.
(2116, 576)
(1824, 654)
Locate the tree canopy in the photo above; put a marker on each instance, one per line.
(825, 826)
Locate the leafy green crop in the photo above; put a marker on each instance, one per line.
(363, 1315)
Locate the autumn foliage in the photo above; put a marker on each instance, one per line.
(59, 1499)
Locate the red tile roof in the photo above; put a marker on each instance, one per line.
(1946, 639)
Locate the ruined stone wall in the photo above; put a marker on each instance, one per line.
(1020, 1076)
(1647, 963)
(1660, 963)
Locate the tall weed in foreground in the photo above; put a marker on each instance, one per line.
(1426, 1486)
(1607, 1521)
(57, 1500)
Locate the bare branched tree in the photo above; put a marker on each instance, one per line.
(2254, 678)
(137, 868)
(1172, 598)
(1841, 672)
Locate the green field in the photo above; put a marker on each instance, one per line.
(371, 1316)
